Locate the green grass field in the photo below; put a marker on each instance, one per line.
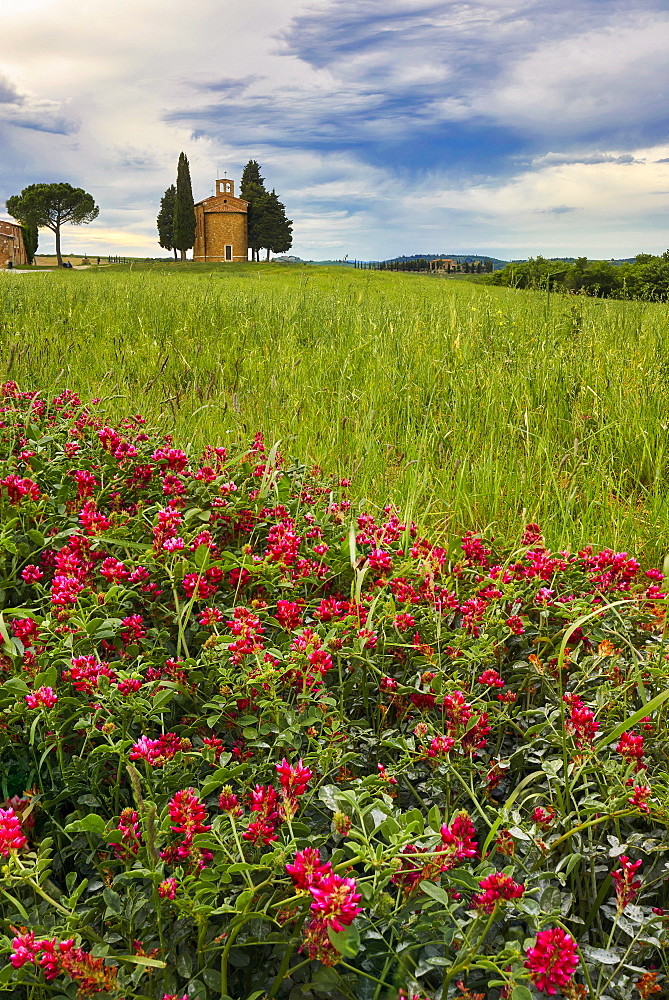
(466, 405)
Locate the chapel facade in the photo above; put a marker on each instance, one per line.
(221, 226)
(12, 249)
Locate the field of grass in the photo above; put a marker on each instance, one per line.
(466, 405)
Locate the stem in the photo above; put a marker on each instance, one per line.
(235, 834)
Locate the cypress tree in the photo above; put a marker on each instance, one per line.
(252, 190)
(165, 220)
(184, 209)
(30, 240)
(274, 230)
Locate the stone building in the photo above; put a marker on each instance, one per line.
(11, 244)
(221, 226)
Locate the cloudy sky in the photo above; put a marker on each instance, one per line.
(386, 126)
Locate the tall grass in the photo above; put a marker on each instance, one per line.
(465, 404)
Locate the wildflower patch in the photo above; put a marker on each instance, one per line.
(258, 741)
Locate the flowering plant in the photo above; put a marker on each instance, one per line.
(259, 742)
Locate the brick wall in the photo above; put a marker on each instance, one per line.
(217, 229)
(11, 244)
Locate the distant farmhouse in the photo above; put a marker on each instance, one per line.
(452, 266)
(12, 250)
(221, 226)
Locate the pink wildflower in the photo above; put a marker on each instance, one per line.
(131, 834)
(11, 836)
(335, 900)
(491, 678)
(228, 801)
(167, 889)
(515, 624)
(552, 961)
(25, 948)
(627, 885)
(31, 574)
(457, 839)
(630, 747)
(581, 722)
(496, 887)
(158, 752)
(264, 801)
(211, 617)
(641, 793)
(293, 779)
(543, 817)
(44, 697)
(308, 870)
(188, 812)
(440, 746)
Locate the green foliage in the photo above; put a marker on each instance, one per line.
(30, 241)
(252, 190)
(647, 278)
(268, 227)
(183, 225)
(165, 220)
(49, 206)
(272, 230)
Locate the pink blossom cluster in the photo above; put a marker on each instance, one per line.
(496, 888)
(159, 751)
(626, 883)
(11, 835)
(63, 958)
(335, 902)
(552, 961)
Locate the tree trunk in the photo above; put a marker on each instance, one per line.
(58, 253)
(267, 257)
(175, 253)
(183, 254)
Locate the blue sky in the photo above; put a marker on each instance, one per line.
(403, 126)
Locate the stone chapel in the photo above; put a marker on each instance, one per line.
(221, 226)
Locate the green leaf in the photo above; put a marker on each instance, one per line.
(603, 955)
(521, 993)
(436, 892)
(48, 678)
(19, 906)
(112, 899)
(212, 978)
(201, 557)
(88, 824)
(464, 878)
(152, 963)
(162, 699)
(16, 685)
(346, 941)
